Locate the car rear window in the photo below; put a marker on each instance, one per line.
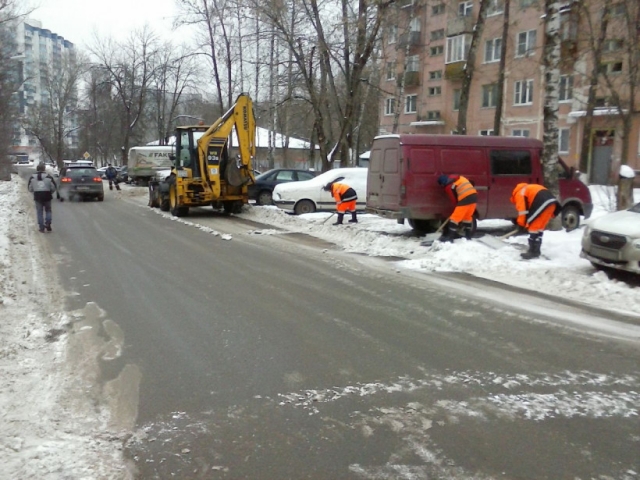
(82, 172)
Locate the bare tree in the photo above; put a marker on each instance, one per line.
(52, 120)
(461, 128)
(130, 68)
(497, 122)
(551, 62)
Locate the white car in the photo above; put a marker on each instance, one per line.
(613, 240)
(307, 196)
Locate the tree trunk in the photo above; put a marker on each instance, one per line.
(461, 128)
(550, 112)
(497, 121)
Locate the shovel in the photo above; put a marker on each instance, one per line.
(496, 242)
(432, 237)
(327, 219)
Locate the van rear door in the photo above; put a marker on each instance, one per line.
(509, 167)
(384, 178)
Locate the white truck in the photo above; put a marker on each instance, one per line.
(146, 160)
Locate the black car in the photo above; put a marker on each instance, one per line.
(263, 188)
(81, 182)
(123, 175)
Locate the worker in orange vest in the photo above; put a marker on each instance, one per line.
(345, 198)
(536, 206)
(465, 197)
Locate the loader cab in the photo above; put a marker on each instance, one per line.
(186, 154)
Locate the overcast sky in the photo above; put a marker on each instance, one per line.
(76, 20)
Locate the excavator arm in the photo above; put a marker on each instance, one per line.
(211, 146)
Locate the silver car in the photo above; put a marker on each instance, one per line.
(613, 240)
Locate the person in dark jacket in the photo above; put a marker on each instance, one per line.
(465, 197)
(111, 173)
(536, 206)
(345, 198)
(43, 185)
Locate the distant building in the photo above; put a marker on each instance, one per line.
(425, 57)
(41, 52)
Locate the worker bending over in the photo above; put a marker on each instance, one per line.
(465, 197)
(345, 198)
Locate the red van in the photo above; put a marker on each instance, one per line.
(403, 172)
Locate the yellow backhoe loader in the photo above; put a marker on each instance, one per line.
(204, 171)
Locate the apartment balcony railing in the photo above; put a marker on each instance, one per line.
(410, 39)
(460, 25)
(455, 70)
(411, 79)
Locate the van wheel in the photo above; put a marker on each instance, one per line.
(424, 226)
(570, 217)
(304, 206)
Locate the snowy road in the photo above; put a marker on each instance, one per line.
(239, 350)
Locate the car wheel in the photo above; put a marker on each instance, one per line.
(265, 198)
(424, 226)
(570, 217)
(100, 198)
(304, 206)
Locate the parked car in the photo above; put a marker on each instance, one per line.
(52, 169)
(261, 191)
(308, 196)
(81, 182)
(123, 174)
(613, 240)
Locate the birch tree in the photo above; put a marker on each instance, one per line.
(497, 122)
(551, 62)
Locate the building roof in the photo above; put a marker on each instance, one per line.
(262, 140)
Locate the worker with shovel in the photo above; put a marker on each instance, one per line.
(536, 206)
(345, 198)
(465, 197)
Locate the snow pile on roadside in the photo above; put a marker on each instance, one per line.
(50, 428)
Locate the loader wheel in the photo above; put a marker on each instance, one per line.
(153, 199)
(176, 210)
(232, 207)
(165, 204)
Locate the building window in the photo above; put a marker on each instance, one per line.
(495, 7)
(435, 75)
(437, 9)
(457, 48)
(391, 70)
(456, 99)
(563, 140)
(393, 34)
(413, 63)
(435, 51)
(566, 88)
(492, 50)
(523, 92)
(519, 133)
(435, 91)
(390, 106)
(611, 67)
(415, 25)
(489, 95)
(465, 9)
(411, 104)
(486, 133)
(614, 45)
(437, 34)
(433, 115)
(526, 43)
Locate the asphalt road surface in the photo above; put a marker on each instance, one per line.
(233, 354)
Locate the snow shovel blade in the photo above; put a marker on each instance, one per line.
(492, 242)
(429, 239)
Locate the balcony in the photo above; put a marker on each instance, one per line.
(411, 79)
(460, 25)
(454, 71)
(410, 39)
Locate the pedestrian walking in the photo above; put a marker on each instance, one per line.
(465, 197)
(112, 175)
(43, 185)
(536, 206)
(345, 198)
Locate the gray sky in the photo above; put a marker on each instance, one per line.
(76, 20)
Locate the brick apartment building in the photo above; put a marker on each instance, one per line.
(429, 42)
